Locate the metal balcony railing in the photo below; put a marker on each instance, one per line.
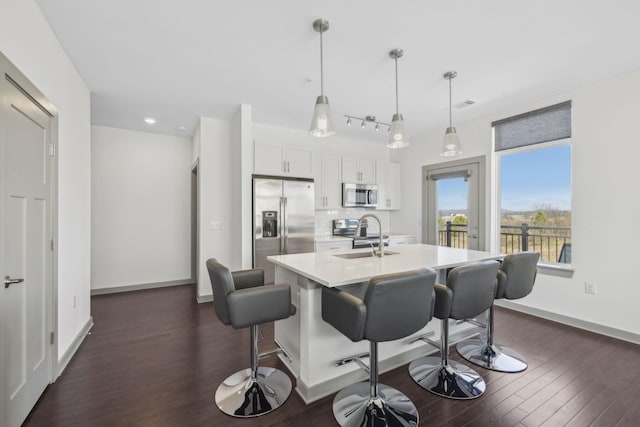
(553, 243)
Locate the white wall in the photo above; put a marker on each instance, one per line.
(605, 205)
(216, 200)
(141, 211)
(27, 40)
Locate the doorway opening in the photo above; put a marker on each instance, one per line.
(453, 208)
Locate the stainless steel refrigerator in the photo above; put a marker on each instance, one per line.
(283, 219)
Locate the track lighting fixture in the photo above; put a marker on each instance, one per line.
(365, 120)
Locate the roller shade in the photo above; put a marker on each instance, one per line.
(543, 125)
(446, 175)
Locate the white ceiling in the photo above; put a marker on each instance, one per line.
(179, 60)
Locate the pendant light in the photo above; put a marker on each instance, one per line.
(321, 122)
(397, 133)
(451, 144)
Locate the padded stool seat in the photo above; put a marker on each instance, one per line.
(469, 291)
(392, 307)
(241, 300)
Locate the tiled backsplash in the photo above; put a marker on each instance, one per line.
(324, 219)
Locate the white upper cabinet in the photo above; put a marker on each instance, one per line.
(388, 186)
(358, 171)
(328, 180)
(275, 159)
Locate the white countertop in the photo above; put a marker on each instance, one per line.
(329, 270)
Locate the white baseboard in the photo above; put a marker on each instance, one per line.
(75, 345)
(129, 288)
(571, 321)
(205, 298)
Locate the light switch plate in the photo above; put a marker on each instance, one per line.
(590, 288)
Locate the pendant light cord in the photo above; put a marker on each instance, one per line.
(450, 121)
(321, 67)
(396, 59)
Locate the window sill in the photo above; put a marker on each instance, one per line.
(563, 270)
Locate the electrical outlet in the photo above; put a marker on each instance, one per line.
(590, 288)
(215, 225)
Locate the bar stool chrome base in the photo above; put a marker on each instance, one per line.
(494, 357)
(454, 380)
(354, 407)
(242, 396)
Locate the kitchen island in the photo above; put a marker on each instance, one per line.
(314, 346)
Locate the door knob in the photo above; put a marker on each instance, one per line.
(8, 281)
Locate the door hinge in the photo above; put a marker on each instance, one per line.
(52, 338)
(52, 149)
(53, 244)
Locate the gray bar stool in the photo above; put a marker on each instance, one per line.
(516, 277)
(241, 300)
(388, 308)
(469, 292)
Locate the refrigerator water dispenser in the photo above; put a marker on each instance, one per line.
(270, 224)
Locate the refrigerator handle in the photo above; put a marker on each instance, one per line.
(281, 225)
(285, 226)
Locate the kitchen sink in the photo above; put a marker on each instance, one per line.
(353, 255)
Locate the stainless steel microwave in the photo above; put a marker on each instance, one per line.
(359, 195)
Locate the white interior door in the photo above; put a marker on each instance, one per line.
(27, 251)
(454, 192)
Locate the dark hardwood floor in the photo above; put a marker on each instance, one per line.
(155, 358)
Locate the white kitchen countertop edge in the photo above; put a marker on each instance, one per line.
(328, 270)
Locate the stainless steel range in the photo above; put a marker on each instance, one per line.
(347, 228)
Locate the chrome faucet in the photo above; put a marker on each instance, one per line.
(380, 252)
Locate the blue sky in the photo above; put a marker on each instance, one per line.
(529, 178)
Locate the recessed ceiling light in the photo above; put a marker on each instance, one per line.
(181, 128)
(465, 103)
(150, 120)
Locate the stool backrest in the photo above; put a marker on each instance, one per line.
(398, 304)
(473, 288)
(517, 275)
(222, 285)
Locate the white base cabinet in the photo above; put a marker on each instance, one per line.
(401, 240)
(324, 246)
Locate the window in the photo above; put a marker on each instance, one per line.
(533, 153)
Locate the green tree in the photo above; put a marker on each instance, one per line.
(540, 218)
(459, 219)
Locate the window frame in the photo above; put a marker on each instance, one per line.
(555, 269)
